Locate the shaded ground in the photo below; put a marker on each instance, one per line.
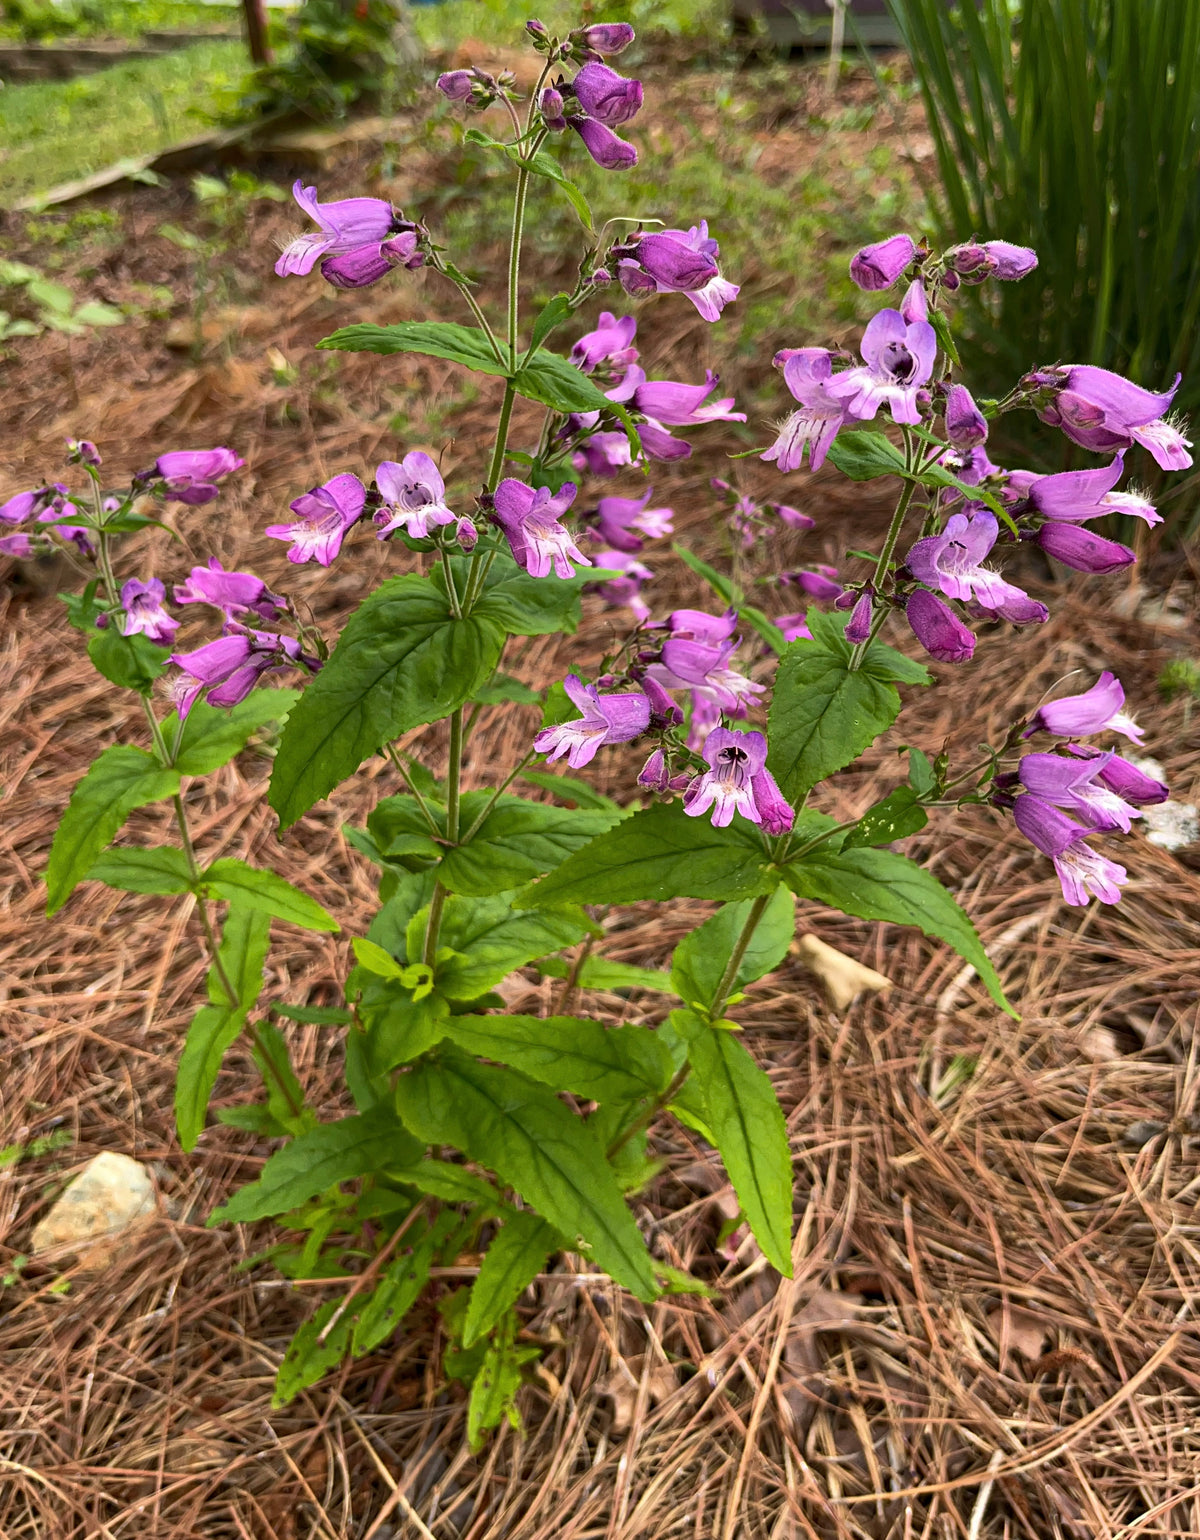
(991, 1328)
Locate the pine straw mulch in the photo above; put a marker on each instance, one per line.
(990, 1330)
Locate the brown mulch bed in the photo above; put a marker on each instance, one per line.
(991, 1328)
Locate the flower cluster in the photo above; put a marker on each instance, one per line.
(360, 240)
(1101, 790)
(51, 511)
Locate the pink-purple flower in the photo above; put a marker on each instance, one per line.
(355, 241)
(879, 266)
(952, 563)
(1082, 550)
(1074, 497)
(1082, 871)
(898, 358)
(604, 719)
(325, 514)
(1104, 411)
(608, 346)
(676, 261)
(414, 496)
(738, 781)
(233, 593)
(807, 373)
(626, 588)
(607, 96)
(1079, 786)
(191, 475)
(144, 606)
(608, 150)
(1097, 710)
(938, 629)
(231, 666)
(530, 518)
(617, 517)
(966, 426)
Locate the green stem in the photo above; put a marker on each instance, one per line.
(649, 1113)
(451, 591)
(729, 977)
(885, 559)
(494, 798)
(453, 779)
(506, 406)
(485, 326)
(426, 810)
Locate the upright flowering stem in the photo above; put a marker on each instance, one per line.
(506, 406)
(453, 779)
(888, 551)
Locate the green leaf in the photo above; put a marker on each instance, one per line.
(552, 380)
(254, 888)
(402, 660)
(489, 940)
(880, 885)
(398, 1027)
(211, 738)
(436, 339)
(823, 716)
(451, 1183)
(512, 1262)
(537, 1145)
(516, 842)
(702, 956)
(163, 869)
(374, 1141)
(120, 779)
(544, 164)
(308, 1359)
(551, 315)
(921, 773)
(133, 662)
(724, 588)
(285, 1095)
(243, 950)
(398, 1290)
(567, 788)
(898, 815)
(570, 1054)
(659, 853)
(524, 605)
(313, 1015)
(603, 973)
(747, 1123)
(502, 688)
(863, 454)
(494, 1390)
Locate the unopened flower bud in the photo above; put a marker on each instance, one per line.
(654, 773)
(663, 710)
(551, 108)
(915, 304)
(600, 277)
(970, 260)
(537, 30)
(466, 534)
(858, 627)
(938, 628)
(81, 451)
(966, 426)
(605, 37)
(456, 84)
(1010, 262)
(878, 266)
(950, 282)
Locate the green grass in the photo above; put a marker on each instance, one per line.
(502, 22)
(55, 131)
(112, 18)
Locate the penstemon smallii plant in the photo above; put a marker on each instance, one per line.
(462, 1137)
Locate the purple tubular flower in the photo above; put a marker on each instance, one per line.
(898, 359)
(1104, 411)
(23, 546)
(1129, 783)
(608, 150)
(700, 626)
(1010, 262)
(858, 627)
(1074, 497)
(794, 627)
(1082, 550)
(610, 344)
(776, 813)
(663, 710)
(190, 475)
(951, 562)
(966, 426)
(603, 454)
(530, 522)
(143, 604)
(356, 269)
(605, 37)
(1078, 785)
(661, 445)
(915, 304)
(625, 589)
(792, 517)
(1082, 871)
(617, 516)
(551, 106)
(734, 758)
(455, 85)
(938, 628)
(24, 505)
(234, 593)
(607, 96)
(326, 513)
(820, 582)
(806, 373)
(605, 719)
(1097, 710)
(230, 667)
(878, 266)
(345, 226)
(413, 495)
(684, 406)
(677, 261)
(654, 773)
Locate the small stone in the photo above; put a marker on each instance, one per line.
(108, 1195)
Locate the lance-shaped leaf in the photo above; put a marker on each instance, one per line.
(402, 660)
(510, 1265)
(538, 1146)
(254, 888)
(517, 841)
(374, 1141)
(120, 779)
(488, 940)
(397, 1291)
(660, 853)
(747, 1123)
(211, 738)
(242, 952)
(465, 345)
(702, 956)
(163, 869)
(570, 1054)
(880, 885)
